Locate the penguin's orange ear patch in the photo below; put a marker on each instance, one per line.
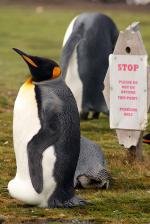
(29, 60)
(56, 72)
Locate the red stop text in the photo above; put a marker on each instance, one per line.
(128, 67)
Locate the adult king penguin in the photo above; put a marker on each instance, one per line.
(88, 41)
(46, 134)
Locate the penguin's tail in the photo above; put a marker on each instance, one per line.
(72, 42)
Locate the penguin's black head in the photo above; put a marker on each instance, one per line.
(41, 68)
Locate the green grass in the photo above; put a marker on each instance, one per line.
(128, 200)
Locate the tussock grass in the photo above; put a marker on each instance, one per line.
(128, 199)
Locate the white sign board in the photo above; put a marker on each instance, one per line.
(128, 91)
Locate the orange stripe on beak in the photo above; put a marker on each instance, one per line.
(26, 58)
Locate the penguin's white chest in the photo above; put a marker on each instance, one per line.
(26, 124)
(73, 79)
(72, 76)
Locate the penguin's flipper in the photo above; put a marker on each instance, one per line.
(36, 146)
(46, 137)
(72, 42)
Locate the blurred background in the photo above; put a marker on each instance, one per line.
(38, 27)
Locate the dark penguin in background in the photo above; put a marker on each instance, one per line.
(146, 139)
(46, 134)
(88, 41)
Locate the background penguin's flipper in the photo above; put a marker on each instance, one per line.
(74, 39)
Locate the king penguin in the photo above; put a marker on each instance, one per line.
(146, 139)
(91, 171)
(88, 41)
(46, 135)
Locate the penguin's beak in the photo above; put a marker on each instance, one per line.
(27, 58)
(19, 52)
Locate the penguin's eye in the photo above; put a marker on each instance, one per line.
(56, 72)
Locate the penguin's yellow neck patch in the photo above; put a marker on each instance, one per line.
(27, 89)
(28, 85)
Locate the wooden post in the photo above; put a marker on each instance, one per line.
(129, 43)
(135, 152)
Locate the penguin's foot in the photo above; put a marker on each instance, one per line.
(84, 116)
(95, 115)
(73, 202)
(104, 185)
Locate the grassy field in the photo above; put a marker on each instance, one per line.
(128, 199)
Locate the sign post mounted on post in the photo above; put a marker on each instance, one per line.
(126, 90)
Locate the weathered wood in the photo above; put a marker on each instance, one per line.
(148, 87)
(106, 90)
(129, 42)
(135, 152)
(128, 138)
